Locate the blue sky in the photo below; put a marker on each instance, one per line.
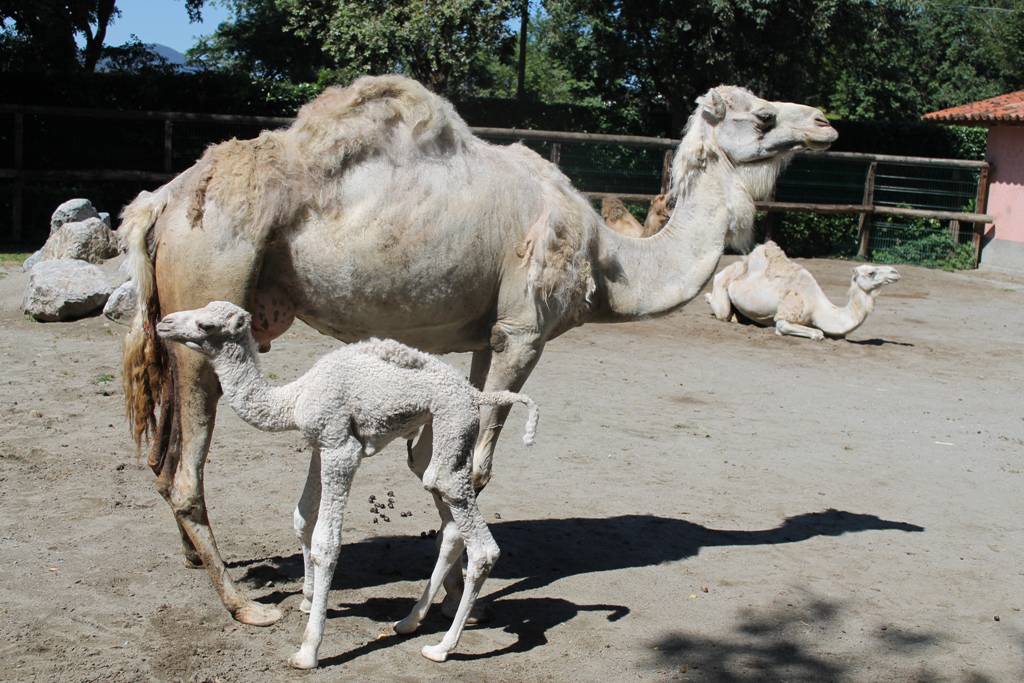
(162, 21)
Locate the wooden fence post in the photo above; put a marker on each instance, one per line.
(666, 170)
(980, 202)
(18, 199)
(168, 145)
(954, 231)
(556, 153)
(864, 223)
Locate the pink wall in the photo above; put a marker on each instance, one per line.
(1006, 189)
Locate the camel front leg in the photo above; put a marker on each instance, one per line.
(304, 520)
(785, 327)
(337, 469)
(509, 368)
(198, 392)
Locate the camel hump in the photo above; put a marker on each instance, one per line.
(778, 264)
(376, 114)
(395, 353)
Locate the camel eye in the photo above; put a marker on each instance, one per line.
(765, 119)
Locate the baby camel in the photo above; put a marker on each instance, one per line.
(352, 403)
(766, 287)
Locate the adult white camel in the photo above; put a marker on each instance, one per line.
(767, 288)
(378, 213)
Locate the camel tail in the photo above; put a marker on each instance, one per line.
(144, 363)
(507, 398)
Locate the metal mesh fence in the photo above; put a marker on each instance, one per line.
(73, 140)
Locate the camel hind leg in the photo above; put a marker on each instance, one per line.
(718, 297)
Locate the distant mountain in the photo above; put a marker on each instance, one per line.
(169, 53)
(177, 60)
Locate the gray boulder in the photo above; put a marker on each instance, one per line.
(121, 305)
(35, 258)
(72, 211)
(89, 240)
(65, 289)
(105, 217)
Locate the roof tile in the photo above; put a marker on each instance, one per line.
(1005, 109)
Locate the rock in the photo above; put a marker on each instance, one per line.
(121, 305)
(72, 211)
(88, 240)
(35, 258)
(65, 289)
(105, 217)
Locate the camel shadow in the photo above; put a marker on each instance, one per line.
(538, 552)
(528, 619)
(877, 341)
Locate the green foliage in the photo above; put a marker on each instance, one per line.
(922, 242)
(813, 234)
(446, 44)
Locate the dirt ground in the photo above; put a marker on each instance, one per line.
(706, 502)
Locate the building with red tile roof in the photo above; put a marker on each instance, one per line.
(1003, 244)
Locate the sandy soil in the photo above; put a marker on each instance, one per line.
(706, 502)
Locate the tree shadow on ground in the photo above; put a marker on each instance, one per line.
(539, 552)
(783, 644)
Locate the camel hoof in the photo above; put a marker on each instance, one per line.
(435, 653)
(257, 614)
(302, 660)
(305, 606)
(405, 626)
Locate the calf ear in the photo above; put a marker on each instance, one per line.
(239, 322)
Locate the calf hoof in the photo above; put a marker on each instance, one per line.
(302, 660)
(257, 614)
(435, 653)
(305, 606)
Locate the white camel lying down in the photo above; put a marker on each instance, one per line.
(767, 288)
(352, 403)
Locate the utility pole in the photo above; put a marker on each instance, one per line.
(524, 19)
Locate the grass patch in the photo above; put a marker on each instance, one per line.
(104, 378)
(14, 256)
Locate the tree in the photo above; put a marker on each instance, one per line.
(257, 42)
(40, 36)
(443, 43)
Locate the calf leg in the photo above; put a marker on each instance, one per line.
(449, 550)
(306, 512)
(483, 553)
(337, 468)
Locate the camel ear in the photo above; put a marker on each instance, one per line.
(712, 106)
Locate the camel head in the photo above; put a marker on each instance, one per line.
(206, 329)
(870, 278)
(753, 137)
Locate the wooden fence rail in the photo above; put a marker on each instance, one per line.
(20, 175)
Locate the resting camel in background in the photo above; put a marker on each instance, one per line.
(619, 218)
(767, 288)
(378, 213)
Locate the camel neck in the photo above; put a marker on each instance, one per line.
(248, 392)
(840, 321)
(647, 276)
